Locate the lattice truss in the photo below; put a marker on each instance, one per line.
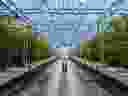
(104, 23)
(12, 10)
(110, 6)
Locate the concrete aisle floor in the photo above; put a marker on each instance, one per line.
(55, 82)
(86, 86)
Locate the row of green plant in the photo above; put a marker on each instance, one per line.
(13, 35)
(108, 47)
